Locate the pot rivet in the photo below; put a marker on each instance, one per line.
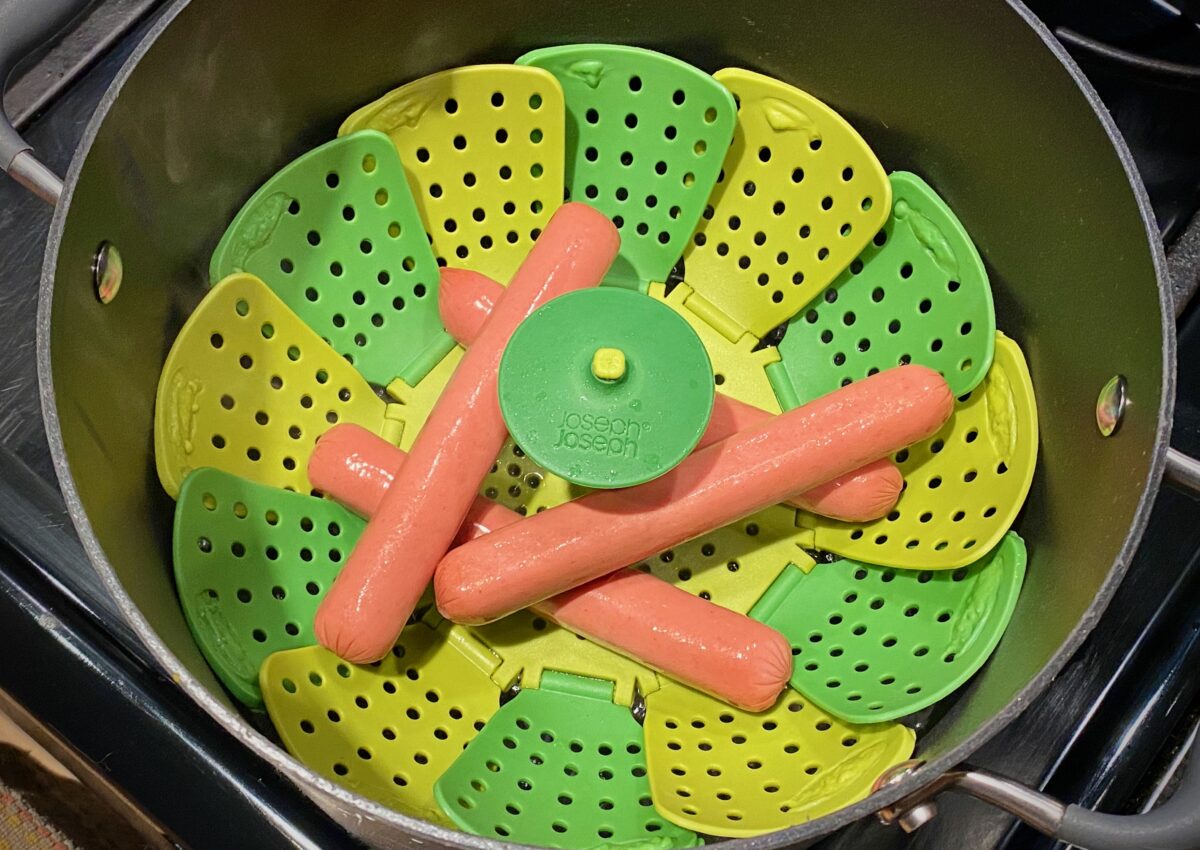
(107, 272)
(1111, 404)
(911, 817)
(916, 817)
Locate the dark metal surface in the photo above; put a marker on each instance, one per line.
(1151, 693)
(32, 513)
(24, 27)
(1183, 263)
(140, 731)
(24, 225)
(72, 658)
(1143, 56)
(1109, 723)
(90, 39)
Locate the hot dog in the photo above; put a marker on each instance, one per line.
(581, 540)
(859, 496)
(383, 578)
(694, 641)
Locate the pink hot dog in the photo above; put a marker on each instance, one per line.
(703, 645)
(581, 540)
(859, 496)
(383, 578)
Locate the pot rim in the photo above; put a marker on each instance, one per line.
(353, 810)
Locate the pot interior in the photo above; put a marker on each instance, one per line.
(967, 95)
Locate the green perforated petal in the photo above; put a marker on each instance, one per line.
(560, 766)
(337, 236)
(646, 134)
(874, 643)
(918, 294)
(251, 565)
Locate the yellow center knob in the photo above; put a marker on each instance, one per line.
(608, 364)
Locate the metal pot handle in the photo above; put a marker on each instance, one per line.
(1183, 472)
(1174, 825)
(25, 25)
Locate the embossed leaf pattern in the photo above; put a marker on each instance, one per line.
(590, 71)
(1001, 410)
(260, 224)
(976, 610)
(930, 236)
(180, 412)
(785, 117)
(403, 111)
(857, 770)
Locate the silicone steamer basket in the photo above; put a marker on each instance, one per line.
(645, 136)
(396, 731)
(800, 196)
(386, 730)
(559, 766)
(252, 563)
(727, 772)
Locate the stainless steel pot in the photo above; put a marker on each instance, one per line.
(977, 97)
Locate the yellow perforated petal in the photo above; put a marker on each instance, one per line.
(738, 370)
(801, 197)
(520, 484)
(386, 731)
(529, 645)
(964, 486)
(248, 388)
(483, 148)
(722, 771)
(733, 566)
(414, 403)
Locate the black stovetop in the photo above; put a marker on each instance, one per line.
(1105, 734)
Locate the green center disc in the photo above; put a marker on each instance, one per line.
(606, 387)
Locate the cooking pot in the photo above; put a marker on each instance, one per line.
(976, 97)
